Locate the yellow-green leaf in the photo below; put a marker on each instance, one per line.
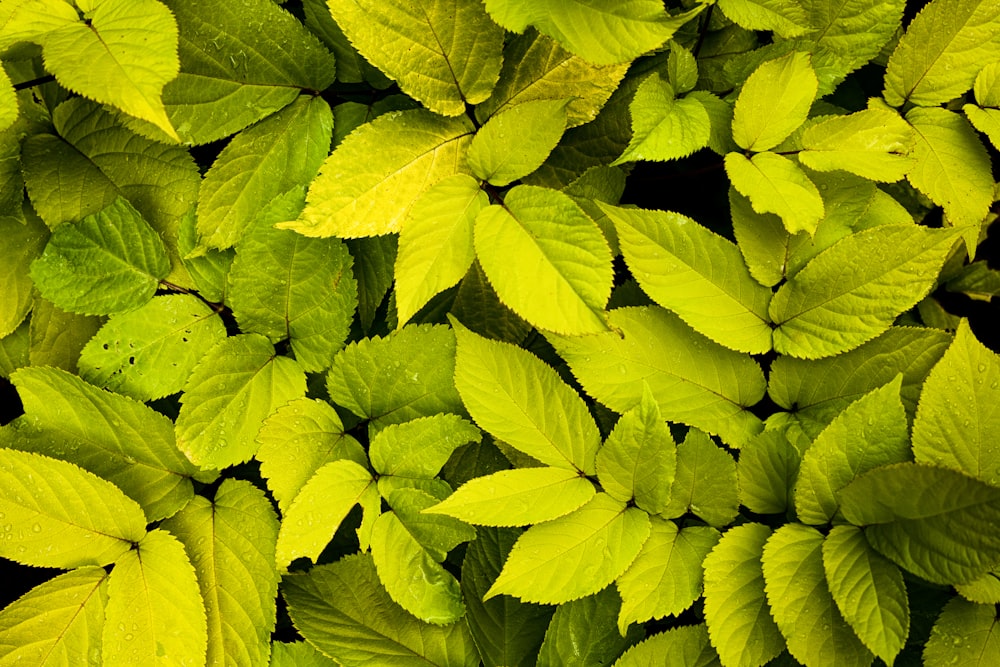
(774, 101)
(775, 184)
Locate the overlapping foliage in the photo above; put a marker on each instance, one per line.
(337, 344)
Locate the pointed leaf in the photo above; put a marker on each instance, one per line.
(685, 646)
(784, 18)
(705, 483)
(873, 143)
(546, 259)
(575, 555)
(517, 398)
(515, 142)
(437, 534)
(234, 387)
(775, 184)
(592, 618)
(965, 633)
(768, 468)
(357, 194)
(297, 654)
(665, 128)
(774, 101)
(154, 606)
(822, 311)
(57, 337)
(694, 380)
(984, 590)
(695, 273)
(21, 243)
(419, 448)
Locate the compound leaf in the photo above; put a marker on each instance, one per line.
(664, 127)
(516, 141)
(873, 143)
(774, 101)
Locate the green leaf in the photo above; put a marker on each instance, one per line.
(801, 602)
(45, 527)
(767, 469)
(603, 32)
(694, 380)
(517, 398)
(371, 180)
(438, 535)
(14, 350)
(231, 544)
(824, 310)
(154, 606)
(20, 242)
(963, 35)
(774, 101)
(783, 18)
(119, 439)
(342, 609)
(739, 621)
(666, 577)
(435, 244)
(234, 387)
(373, 269)
(930, 521)
(517, 497)
(515, 142)
(685, 646)
(959, 411)
(536, 67)
(9, 110)
(984, 590)
(986, 121)
(546, 259)
(869, 591)
(445, 54)
(408, 374)
(695, 273)
(283, 151)
(965, 633)
(663, 127)
(705, 483)
(297, 440)
(575, 555)
(57, 621)
(285, 286)
(638, 460)
(108, 262)
(506, 630)
(775, 184)
(873, 143)
(582, 633)
(149, 352)
(297, 654)
(952, 167)
(319, 508)
(413, 579)
(870, 432)
(419, 448)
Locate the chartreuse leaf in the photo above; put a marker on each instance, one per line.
(371, 180)
(705, 483)
(592, 617)
(785, 19)
(575, 555)
(684, 646)
(869, 591)
(234, 387)
(952, 166)
(801, 602)
(342, 609)
(122, 440)
(297, 654)
(155, 608)
(285, 286)
(445, 54)
(964, 34)
(601, 31)
(638, 460)
(986, 116)
(695, 273)
(438, 535)
(56, 622)
(517, 497)
(515, 142)
(419, 448)
(373, 268)
(230, 542)
(873, 143)
(774, 101)
(931, 521)
(21, 242)
(108, 262)
(9, 110)
(965, 633)
(567, 274)
(536, 67)
(281, 152)
(739, 621)
(694, 380)
(297, 440)
(58, 337)
(517, 398)
(435, 244)
(313, 517)
(775, 184)
(507, 631)
(959, 411)
(824, 310)
(869, 433)
(767, 470)
(666, 576)
(149, 352)
(664, 127)
(407, 374)
(14, 350)
(984, 590)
